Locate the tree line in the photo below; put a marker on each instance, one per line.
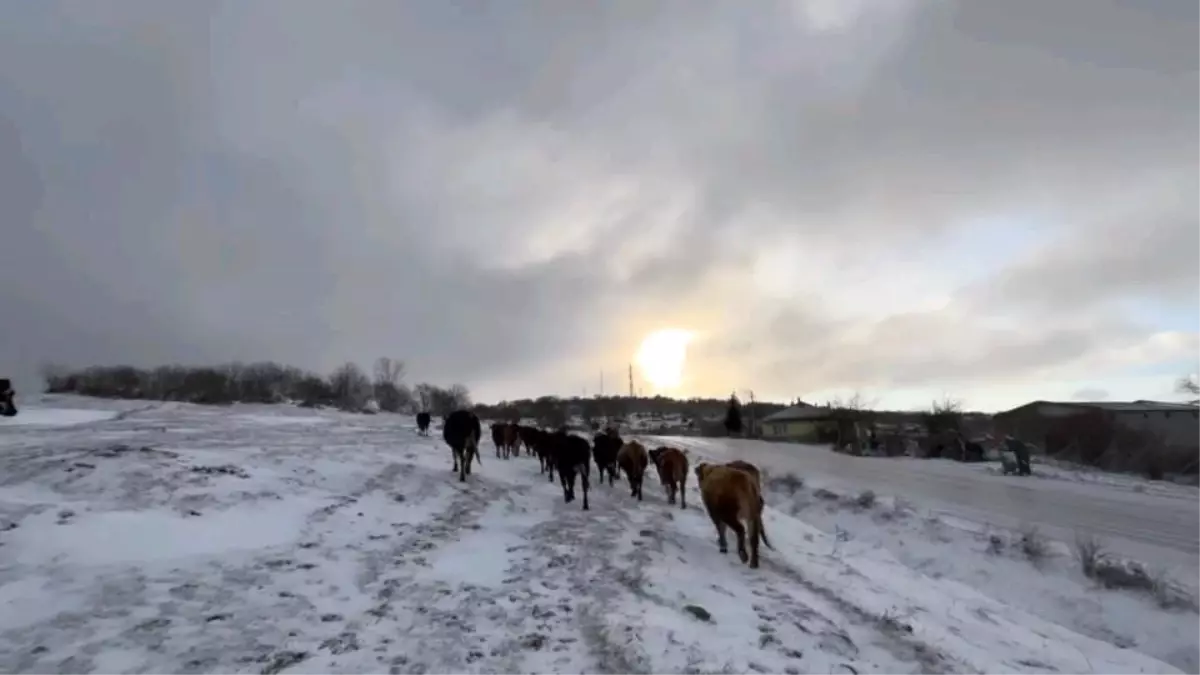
(351, 388)
(348, 387)
(553, 411)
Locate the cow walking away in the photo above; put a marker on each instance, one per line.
(732, 498)
(632, 459)
(672, 466)
(750, 469)
(498, 436)
(572, 456)
(423, 423)
(461, 431)
(606, 445)
(528, 437)
(8, 407)
(512, 440)
(546, 451)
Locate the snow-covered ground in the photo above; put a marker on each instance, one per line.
(930, 539)
(177, 538)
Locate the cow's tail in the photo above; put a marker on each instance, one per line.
(473, 448)
(762, 528)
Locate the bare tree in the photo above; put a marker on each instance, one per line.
(944, 415)
(389, 370)
(424, 395)
(855, 402)
(439, 401)
(459, 396)
(847, 414)
(390, 392)
(350, 386)
(549, 411)
(1189, 385)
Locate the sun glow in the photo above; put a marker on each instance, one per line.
(662, 355)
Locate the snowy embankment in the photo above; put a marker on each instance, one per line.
(175, 538)
(1022, 567)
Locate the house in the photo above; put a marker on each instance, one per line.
(802, 423)
(1174, 424)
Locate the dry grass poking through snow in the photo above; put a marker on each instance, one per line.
(1112, 572)
(1096, 593)
(1034, 545)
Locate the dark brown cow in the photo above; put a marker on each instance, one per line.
(528, 437)
(423, 420)
(605, 446)
(632, 459)
(498, 436)
(572, 456)
(672, 466)
(512, 440)
(8, 407)
(538, 440)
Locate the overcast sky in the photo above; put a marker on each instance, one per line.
(990, 200)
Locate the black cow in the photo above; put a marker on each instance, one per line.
(461, 431)
(572, 455)
(498, 435)
(606, 445)
(8, 407)
(541, 444)
(423, 423)
(529, 436)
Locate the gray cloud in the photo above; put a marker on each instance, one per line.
(514, 194)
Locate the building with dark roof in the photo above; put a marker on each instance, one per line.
(1173, 424)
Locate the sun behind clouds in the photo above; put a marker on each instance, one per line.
(662, 356)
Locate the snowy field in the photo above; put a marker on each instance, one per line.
(142, 537)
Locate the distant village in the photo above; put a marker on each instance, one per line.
(1151, 438)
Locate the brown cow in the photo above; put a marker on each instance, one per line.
(672, 467)
(632, 459)
(750, 469)
(731, 497)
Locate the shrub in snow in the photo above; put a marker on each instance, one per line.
(865, 499)
(789, 483)
(1089, 552)
(1034, 545)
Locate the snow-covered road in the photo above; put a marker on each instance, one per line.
(1154, 522)
(175, 538)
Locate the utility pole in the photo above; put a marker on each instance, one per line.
(631, 380)
(751, 413)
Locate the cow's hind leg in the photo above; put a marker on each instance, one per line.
(740, 531)
(583, 481)
(722, 544)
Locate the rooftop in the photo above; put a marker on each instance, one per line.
(800, 411)
(1118, 406)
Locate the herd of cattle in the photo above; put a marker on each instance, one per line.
(731, 493)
